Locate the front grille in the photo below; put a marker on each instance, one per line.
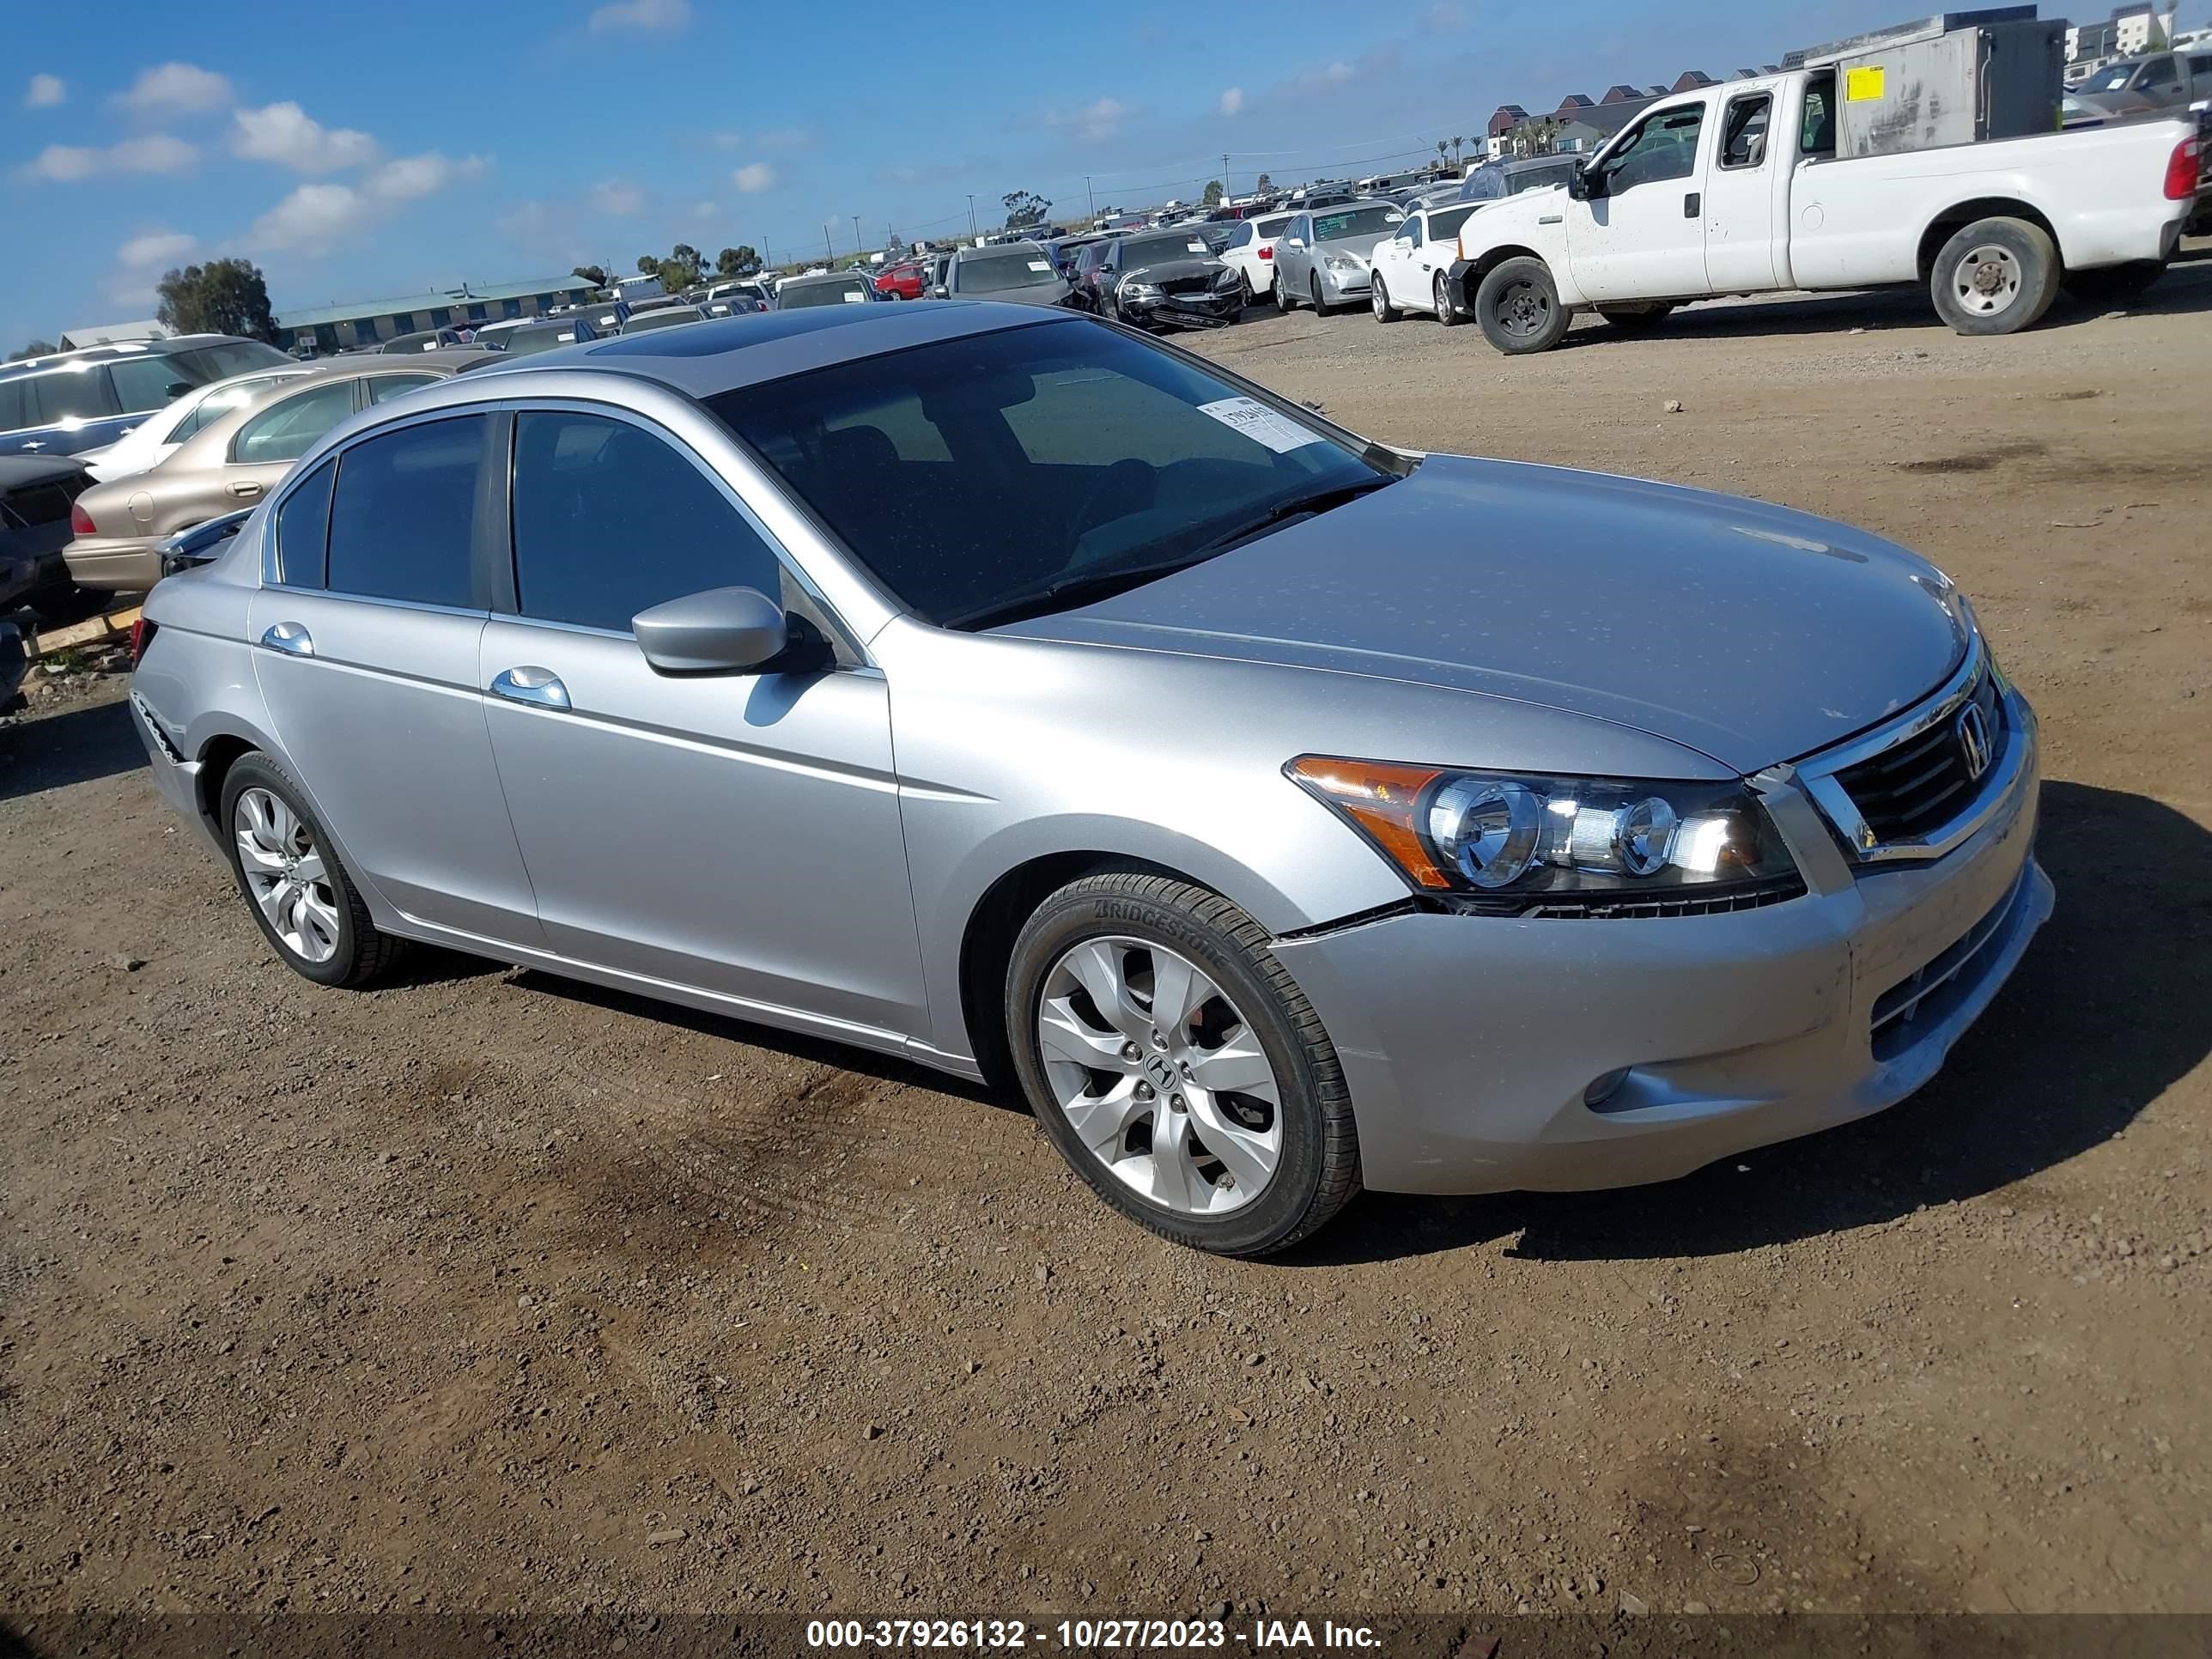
(47, 501)
(1914, 788)
(1187, 285)
(1780, 893)
(1935, 990)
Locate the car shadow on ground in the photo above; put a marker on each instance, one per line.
(77, 745)
(2107, 1009)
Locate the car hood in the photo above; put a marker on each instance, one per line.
(1359, 247)
(1168, 271)
(1749, 632)
(1049, 293)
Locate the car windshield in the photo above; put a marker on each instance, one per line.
(666, 317)
(1036, 469)
(1354, 221)
(219, 362)
(2113, 77)
(850, 289)
(523, 341)
(994, 273)
(1160, 250)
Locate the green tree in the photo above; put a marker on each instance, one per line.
(592, 274)
(732, 261)
(688, 261)
(649, 265)
(36, 348)
(1213, 197)
(1534, 138)
(223, 296)
(1263, 184)
(1025, 208)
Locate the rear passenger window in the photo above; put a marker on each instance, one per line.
(285, 431)
(14, 405)
(142, 383)
(1743, 136)
(402, 517)
(610, 520)
(303, 529)
(72, 394)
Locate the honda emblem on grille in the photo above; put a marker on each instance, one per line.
(1973, 730)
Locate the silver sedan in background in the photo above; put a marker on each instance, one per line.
(1322, 259)
(1002, 690)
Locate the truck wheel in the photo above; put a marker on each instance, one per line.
(1519, 308)
(1384, 311)
(1995, 277)
(1636, 320)
(1447, 312)
(2110, 284)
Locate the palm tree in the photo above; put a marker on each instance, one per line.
(1443, 146)
(1456, 143)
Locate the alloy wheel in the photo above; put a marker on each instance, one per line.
(285, 872)
(1160, 1075)
(1987, 280)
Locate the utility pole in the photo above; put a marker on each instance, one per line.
(972, 231)
(828, 247)
(1087, 196)
(857, 248)
(1225, 176)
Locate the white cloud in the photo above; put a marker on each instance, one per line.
(45, 91)
(1232, 100)
(1094, 121)
(155, 247)
(754, 177)
(1338, 72)
(706, 212)
(286, 135)
(664, 15)
(616, 196)
(176, 90)
(315, 218)
(131, 294)
(65, 163)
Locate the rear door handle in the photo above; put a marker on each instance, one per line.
(291, 638)
(540, 688)
(246, 490)
(1691, 205)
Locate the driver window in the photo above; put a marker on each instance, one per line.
(1410, 234)
(1665, 146)
(1743, 136)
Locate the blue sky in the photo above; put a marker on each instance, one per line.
(353, 152)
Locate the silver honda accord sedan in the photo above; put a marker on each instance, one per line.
(1015, 693)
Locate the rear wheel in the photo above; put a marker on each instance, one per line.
(1994, 276)
(1447, 314)
(2113, 284)
(1518, 307)
(1379, 298)
(1175, 1065)
(302, 896)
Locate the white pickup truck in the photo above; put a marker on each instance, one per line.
(1736, 189)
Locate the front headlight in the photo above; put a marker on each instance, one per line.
(1140, 291)
(1505, 843)
(1340, 262)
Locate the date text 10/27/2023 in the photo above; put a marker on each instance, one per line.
(1084, 1635)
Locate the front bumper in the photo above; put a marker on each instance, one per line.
(1339, 286)
(116, 564)
(1469, 1041)
(1213, 309)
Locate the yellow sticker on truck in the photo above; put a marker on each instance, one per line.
(1863, 86)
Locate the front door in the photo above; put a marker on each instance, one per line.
(1641, 235)
(737, 833)
(1394, 258)
(368, 665)
(1742, 211)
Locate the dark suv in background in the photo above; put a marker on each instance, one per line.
(70, 401)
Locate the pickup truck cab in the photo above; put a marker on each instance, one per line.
(1736, 189)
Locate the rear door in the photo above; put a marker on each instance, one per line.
(262, 451)
(368, 627)
(1742, 201)
(1641, 235)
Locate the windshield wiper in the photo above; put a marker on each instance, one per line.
(1071, 590)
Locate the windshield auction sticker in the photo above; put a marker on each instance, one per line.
(1260, 423)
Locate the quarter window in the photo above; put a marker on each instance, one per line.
(611, 519)
(283, 432)
(403, 516)
(1743, 138)
(303, 529)
(1816, 134)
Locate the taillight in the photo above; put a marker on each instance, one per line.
(80, 520)
(142, 635)
(1267, 253)
(2181, 169)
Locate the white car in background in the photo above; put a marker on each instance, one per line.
(1251, 253)
(156, 438)
(1411, 270)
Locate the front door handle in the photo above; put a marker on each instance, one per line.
(291, 638)
(246, 490)
(1691, 205)
(540, 688)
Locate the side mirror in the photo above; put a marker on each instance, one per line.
(724, 630)
(1294, 241)
(939, 292)
(1580, 185)
(177, 389)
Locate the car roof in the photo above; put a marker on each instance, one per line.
(724, 354)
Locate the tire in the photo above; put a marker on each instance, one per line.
(1517, 307)
(2113, 284)
(1313, 286)
(1245, 298)
(1285, 302)
(1994, 276)
(1380, 299)
(1636, 320)
(1252, 1011)
(358, 953)
(1447, 314)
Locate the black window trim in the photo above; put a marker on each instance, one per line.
(1720, 144)
(506, 602)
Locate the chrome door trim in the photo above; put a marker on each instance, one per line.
(540, 687)
(291, 638)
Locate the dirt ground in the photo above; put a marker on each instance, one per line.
(492, 1292)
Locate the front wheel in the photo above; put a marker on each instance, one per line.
(1994, 276)
(1380, 297)
(1518, 307)
(1177, 1067)
(302, 896)
(1284, 301)
(1319, 306)
(1447, 314)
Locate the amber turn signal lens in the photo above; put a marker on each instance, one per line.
(1382, 800)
